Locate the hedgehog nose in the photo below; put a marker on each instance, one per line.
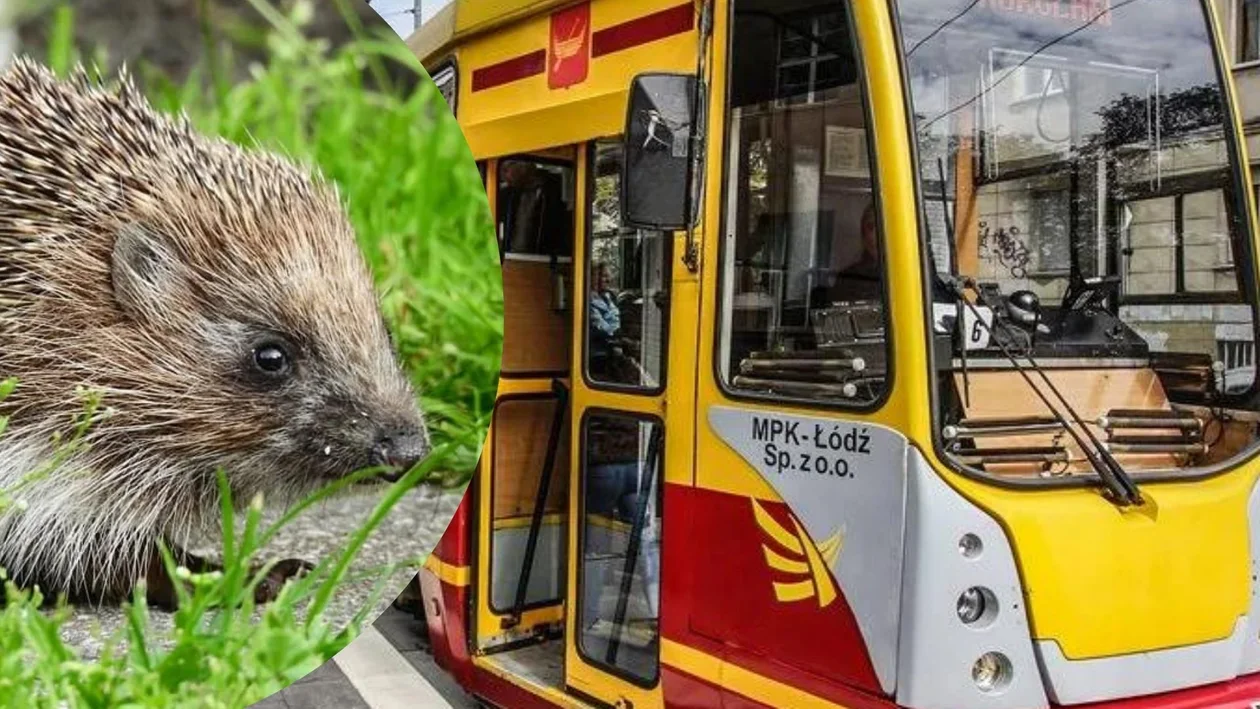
(400, 448)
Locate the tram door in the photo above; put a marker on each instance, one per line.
(621, 326)
(522, 484)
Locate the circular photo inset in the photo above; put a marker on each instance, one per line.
(251, 321)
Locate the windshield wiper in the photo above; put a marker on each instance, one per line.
(1121, 489)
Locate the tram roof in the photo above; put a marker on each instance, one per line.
(463, 19)
(540, 74)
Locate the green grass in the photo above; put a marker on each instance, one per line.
(221, 652)
(418, 204)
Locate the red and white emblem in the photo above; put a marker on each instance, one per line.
(569, 56)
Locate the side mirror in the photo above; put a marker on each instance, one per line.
(658, 153)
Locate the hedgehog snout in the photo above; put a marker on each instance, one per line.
(400, 448)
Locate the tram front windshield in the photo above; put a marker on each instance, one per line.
(1077, 173)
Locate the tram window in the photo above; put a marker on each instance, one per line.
(1249, 30)
(1178, 244)
(1049, 216)
(619, 591)
(628, 286)
(535, 206)
(1086, 179)
(803, 312)
(522, 425)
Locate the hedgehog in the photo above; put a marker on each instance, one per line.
(214, 296)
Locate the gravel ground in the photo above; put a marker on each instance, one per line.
(410, 531)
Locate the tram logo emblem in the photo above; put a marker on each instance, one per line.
(791, 553)
(569, 58)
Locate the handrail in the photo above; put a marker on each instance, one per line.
(632, 548)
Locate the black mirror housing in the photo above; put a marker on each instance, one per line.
(661, 122)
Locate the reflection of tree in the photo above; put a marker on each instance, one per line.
(604, 250)
(606, 225)
(606, 205)
(758, 165)
(760, 153)
(1128, 118)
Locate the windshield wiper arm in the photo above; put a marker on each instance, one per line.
(1121, 488)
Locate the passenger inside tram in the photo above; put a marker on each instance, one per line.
(803, 317)
(861, 279)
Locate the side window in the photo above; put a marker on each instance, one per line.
(523, 426)
(627, 287)
(534, 212)
(802, 308)
(446, 77)
(535, 206)
(619, 568)
(1248, 30)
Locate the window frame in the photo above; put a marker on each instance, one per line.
(1178, 188)
(449, 65)
(1242, 48)
(816, 57)
(580, 523)
(508, 255)
(724, 227)
(568, 517)
(588, 239)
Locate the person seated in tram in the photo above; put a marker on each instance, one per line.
(605, 319)
(863, 280)
(612, 353)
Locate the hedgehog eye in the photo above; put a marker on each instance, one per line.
(272, 359)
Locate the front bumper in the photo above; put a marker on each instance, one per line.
(1240, 693)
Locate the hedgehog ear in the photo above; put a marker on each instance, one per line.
(145, 274)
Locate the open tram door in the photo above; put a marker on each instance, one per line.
(521, 487)
(630, 277)
(567, 600)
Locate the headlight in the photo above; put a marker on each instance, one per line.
(970, 546)
(977, 607)
(971, 605)
(992, 672)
